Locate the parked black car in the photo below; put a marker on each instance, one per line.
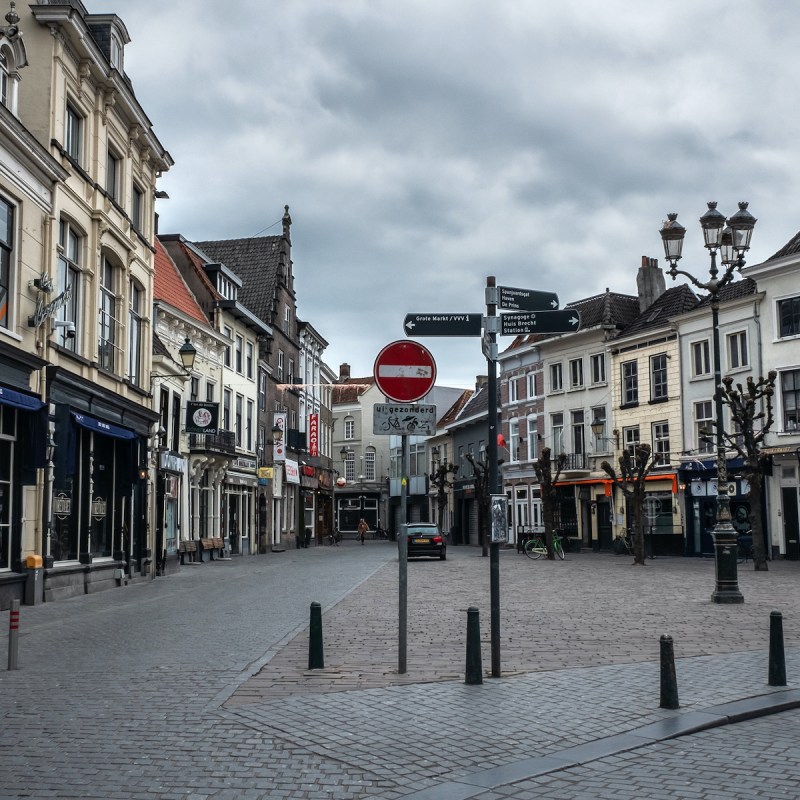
(425, 539)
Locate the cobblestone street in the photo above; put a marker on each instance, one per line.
(196, 685)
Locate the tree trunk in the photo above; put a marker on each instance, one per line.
(756, 495)
(549, 519)
(638, 529)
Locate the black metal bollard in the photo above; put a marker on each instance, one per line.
(474, 670)
(316, 659)
(669, 681)
(13, 635)
(777, 661)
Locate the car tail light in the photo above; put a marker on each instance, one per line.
(437, 539)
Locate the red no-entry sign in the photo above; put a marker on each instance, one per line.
(405, 371)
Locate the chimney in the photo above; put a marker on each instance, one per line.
(481, 381)
(650, 282)
(344, 372)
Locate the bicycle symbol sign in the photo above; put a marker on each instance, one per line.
(404, 419)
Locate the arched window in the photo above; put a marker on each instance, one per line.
(3, 78)
(68, 283)
(349, 428)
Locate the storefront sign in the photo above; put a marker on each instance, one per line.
(265, 473)
(292, 470)
(98, 508)
(313, 434)
(62, 505)
(202, 417)
(242, 462)
(171, 462)
(44, 310)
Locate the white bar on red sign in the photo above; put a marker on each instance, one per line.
(404, 371)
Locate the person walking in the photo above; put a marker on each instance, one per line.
(362, 529)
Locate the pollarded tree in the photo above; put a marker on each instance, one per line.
(480, 471)
(633, 471)
(545, 467)
(752, 417)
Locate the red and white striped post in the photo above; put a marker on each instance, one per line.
(13, 634)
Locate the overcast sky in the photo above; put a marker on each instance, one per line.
(423, 146)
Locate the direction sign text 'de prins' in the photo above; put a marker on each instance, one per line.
(526, 299)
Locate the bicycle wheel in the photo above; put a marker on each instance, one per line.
(533, 548)
(558, 548)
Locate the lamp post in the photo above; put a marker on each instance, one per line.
(598, 427)
(731, 240)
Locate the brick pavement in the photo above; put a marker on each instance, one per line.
(194, 686)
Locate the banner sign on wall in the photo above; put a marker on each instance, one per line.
(292, 471)
(313, 434)
(202, 417)
(279, 447)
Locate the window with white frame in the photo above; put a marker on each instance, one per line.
(73, 133)
(248, 363)
(3, 78)
(630, 438)
(578, 432)
(287, 319)
(108, 318)
(135, 309)
(369, 465)
(70, 254)
(194, 388)
(513, 440)
(238, 426)
(576, 373)
(229, 336)
(290, 375)
(557, 433)
(239, 367)
(226, 408)
(601, 439)
(790, 399)
(531, 384)
(658, 377)
(249, 425)
(350, 466)
(210, 391)
(556, 378)
(703, 426)
(597, 365)
(630, 383)
(115, 51)
(789, 317)
(661, 441)
(6, 260)
(513, 394)
(738, 355)
(281, 367)
(533, 438)
(349, 428)
(701, 358)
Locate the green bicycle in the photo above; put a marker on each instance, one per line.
(536, 547)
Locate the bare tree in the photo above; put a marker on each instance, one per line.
(752, 417)
(480, 471)
(633, 471)
(440, 478)
(544, 467)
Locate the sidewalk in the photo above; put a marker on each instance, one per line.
(203, 691)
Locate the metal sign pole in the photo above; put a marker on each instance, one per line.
(494, 547)
(402, 557)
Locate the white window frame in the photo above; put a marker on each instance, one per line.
(597, 363)
(794, 312)
(513, 390)
(8, 264)
(369, 466)
(513, 440)
(108, 324)
(660, 434)
(74, 125)
(349, 428)
(659, 381)
(737, 350)
(136, 294)
(703, 411)
(630, 382)
(576, 373)
(557, 377)
(701, 358)
(533, 438)
(530, 380)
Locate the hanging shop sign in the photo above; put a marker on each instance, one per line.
(202, 417)
(313, 434)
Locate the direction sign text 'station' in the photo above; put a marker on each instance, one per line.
(565, 321)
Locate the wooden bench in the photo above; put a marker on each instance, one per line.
(208, 545)
(187, 546)
(219, 544)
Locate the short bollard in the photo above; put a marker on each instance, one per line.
(316, 659)
(474, 671)
(669, 681)
(777, 660)
(13, 634)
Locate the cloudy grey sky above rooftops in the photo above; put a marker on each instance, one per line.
(422, 146)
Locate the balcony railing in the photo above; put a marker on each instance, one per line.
(222, 442)
(575, 461)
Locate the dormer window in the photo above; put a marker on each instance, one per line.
(115, 51)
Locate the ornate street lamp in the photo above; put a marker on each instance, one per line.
(731, 242)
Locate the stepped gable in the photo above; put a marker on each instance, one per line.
(674, 301)
(256, 261)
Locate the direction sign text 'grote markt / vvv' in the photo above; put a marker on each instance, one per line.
(442, 325)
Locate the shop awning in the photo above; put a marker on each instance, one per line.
(9, 397)
(106, 428)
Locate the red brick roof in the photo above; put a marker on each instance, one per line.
(350, 389)
(169, 286)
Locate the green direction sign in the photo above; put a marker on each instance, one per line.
(526, 299)
(565, 321)
(442, 325)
